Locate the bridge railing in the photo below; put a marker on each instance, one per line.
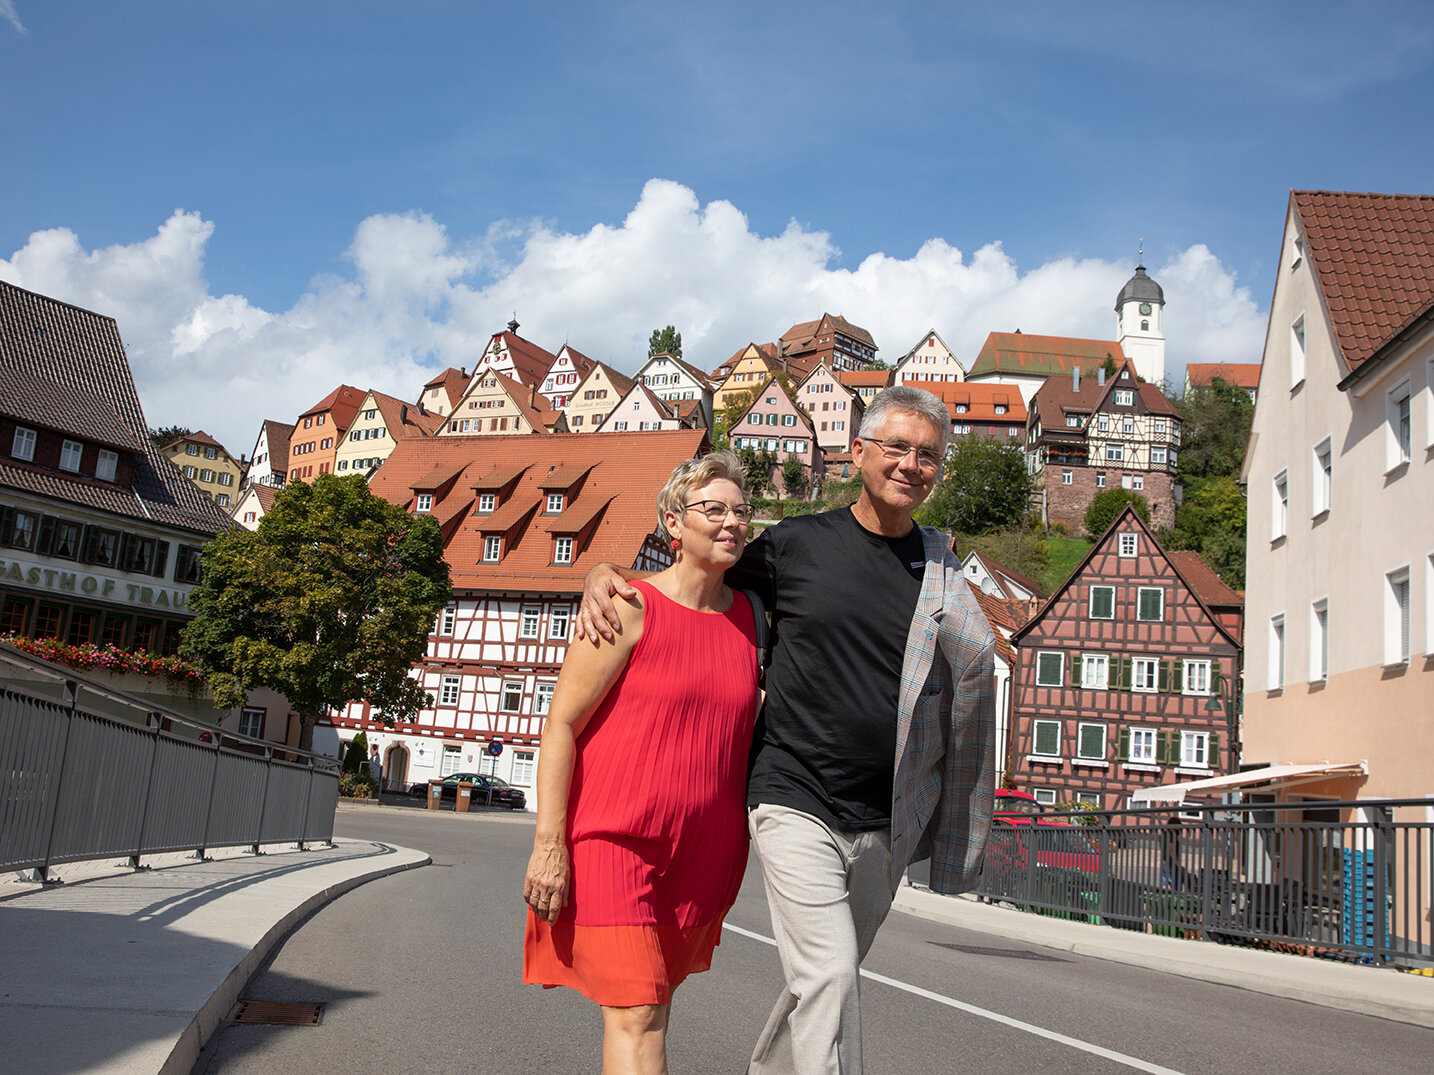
(1347, 880)
(121, 777)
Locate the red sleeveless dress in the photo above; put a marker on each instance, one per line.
(657, 828)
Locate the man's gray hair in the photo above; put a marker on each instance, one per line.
(909, 400)
(694, 474)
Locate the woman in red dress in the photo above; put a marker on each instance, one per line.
(642, 837)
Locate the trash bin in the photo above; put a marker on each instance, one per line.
(435, 795)
(465, 797)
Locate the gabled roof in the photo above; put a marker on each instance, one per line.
(581, 362)
(802, 336)
(995, 567)
(199, 437)
(626, 470)
(81, 351)
(781, 393)
(865, 378)
(998, 615)
(692, 371)
(930, 334)
(452, 381)
(276, 436)
(767, 352)
(497, 476)
(1041, 356)
(1203, 581)
(403, 419)
(980, 400)
(342, 403)
(1058, 395)
(1239, 374)
(620, 382)
(38, 401)
(530, 362)
(1373, 255)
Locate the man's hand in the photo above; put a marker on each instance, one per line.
(597, 618)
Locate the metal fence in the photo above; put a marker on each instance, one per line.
(138, 779)
(1346, 880)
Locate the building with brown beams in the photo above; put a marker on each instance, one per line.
(831, 339)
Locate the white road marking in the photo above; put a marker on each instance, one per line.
(995, 1017)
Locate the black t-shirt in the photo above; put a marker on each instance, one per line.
(841, 600)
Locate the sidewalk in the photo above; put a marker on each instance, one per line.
(129, 972)
(1404, 998)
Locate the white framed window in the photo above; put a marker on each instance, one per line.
(251, 722)
(1124, 397)
(492, 548)
(70, 454)
(1046, 738)
(1045, 796)
(563, 550)
(1142, 746)
(543, 697)
(225, 478)
(1115, 453)
(1197, 677)
(1095, 672)
(1137, 481)
(1297, 352)
(1072, 421)
(487, 502)
(1090, 741)
(1280, 506)
(1145, 674)
(524, 767)
(555, 503)
(511, 700)
(1129, 544)
(450, 618)
(451, 760)
(789, 419)
(1195, 750)
(1397, 418)
(1150, 604)
(1102, 423)
(1319, 640)
(106, 465)
(23, 446)
(1088, 799)
(1396, 616)
(1050, 669)
(222, 499)
(1127, 425)
(1067, 477)
(1157, 455)
(1322, 474)
(448, 690)
(558, 621)
(423, 502)
(528, 621)
(1277, 652)
(1099, 478)
(1102, 602)
(206, 475)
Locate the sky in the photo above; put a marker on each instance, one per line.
(273, 198)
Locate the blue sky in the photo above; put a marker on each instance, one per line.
(369, 189)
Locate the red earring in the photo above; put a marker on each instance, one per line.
(675, 544)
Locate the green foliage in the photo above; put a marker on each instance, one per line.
(1106, 505)
(841, 492)
(984, 487)
(1019, 549)
(723, 419)
(1212, 522)
(356, 757)
(330, 600)
(355, 786)
(758, 466)
(1214, 430)
(794, 476)
(164, 436)
(1064, 554)
(789, 386)
(878, 364)
(665, 341)
(1079, 813)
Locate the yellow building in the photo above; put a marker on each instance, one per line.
(203, 460)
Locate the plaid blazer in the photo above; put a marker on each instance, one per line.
(944, 787)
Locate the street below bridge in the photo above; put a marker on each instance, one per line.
(422, 972)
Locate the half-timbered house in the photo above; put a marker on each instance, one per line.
(1126, 677)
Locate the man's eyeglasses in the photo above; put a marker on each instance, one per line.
(927, 458)
(716, 511)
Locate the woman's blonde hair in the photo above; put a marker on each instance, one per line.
(693, 474)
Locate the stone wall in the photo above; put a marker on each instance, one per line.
(1067, 504)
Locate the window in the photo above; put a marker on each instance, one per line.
(189, 472)
(528, 622)
(492, 547)
(1115, 453)
(1396, 617)
(21, 530)
(249, 516)
(102, 547)
(1137, 481)
(448, 621)
(1195, 749)
(558, 623)
(222, 499)
(1102, 602)
(563, 550)
(423, 503)
(1124, 397)
(555, 503)
(448, 690)
(1090, 742)
(1066, 477)
(1397, 416)
(106, 465)
(1045, 796)
(1319, 640)
(1099, 478)
(789, 419)
(1197, 677)
(1127, 425)
(67, 540)
(23, 446)
(487, 502)
(225, 478)
(211, 453)
(1046, 738)
(512, 700)
(452, 759)
(1150, 604)
(1323, 490)
(206, 475)
(251, 723)
(72, 451)
(523, 767)
(1142, 746)
(1095, 672)
(543, 697)
(1050, 669)
(1297, 352)
(1157, 455)
(191, 449)
(1146, 671)
(1280, 506)
(1158, 427)
(1277, 653)
(1072, 421)
(1102, 424)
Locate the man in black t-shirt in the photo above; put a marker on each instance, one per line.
(875, 745)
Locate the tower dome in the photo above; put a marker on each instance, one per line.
(1140, 288)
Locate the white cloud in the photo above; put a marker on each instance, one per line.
(10, 15)
(417, 301)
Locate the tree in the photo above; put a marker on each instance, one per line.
(722, 421)
(1212, 522)
(1214, 431)
(329, 601)
(666, 341)
(878, 364)
(794, 476)
(757, 465)
(984, 487)
(164, 436)
(1106, 505)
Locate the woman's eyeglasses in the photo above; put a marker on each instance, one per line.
(716, 511)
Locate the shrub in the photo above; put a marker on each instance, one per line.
(1106, 506)
(353, 786)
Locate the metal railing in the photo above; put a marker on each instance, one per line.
(1346, 880)
(138, 779)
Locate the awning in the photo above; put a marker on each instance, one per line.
(1272, 775)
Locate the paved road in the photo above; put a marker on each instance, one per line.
(420, 973)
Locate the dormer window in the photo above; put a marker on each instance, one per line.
(191, 449)
(1000, 408)
(1124, 397)
(563, 550)
(555, 503)
(961, 408)
(487, 502)
(1072, 421)
(492, 547)
(23, 446)
(423, 503)
(70, 454)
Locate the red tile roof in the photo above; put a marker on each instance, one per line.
(1239, 374)
(1374, 257)
(980, 400)
(403, 419)
(276, 435)
(865, 378)
(530, 362)
(1041, 356)
(998, 615)
(453, 382)
(627, 470)
(1203, 581)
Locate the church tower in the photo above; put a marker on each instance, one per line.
(1139, 324)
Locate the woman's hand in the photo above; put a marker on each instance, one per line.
(545, 889)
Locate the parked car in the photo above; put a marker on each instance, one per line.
(1057, 842)
(504, 793)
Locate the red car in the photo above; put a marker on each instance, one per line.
(1057, 842)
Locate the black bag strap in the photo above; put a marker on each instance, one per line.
(759, 621)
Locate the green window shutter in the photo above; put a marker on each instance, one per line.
(1162, 747)
(1122, 749)
(127, 544)
(1212, 752)
(161, 558)
(1076, 663)
(1102, 602)
(1125, 665)
(1177, 676)
(1162, 676)
(7, 524)
(45, 540)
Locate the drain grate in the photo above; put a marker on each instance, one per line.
(279, 1013)
(1008, 953)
